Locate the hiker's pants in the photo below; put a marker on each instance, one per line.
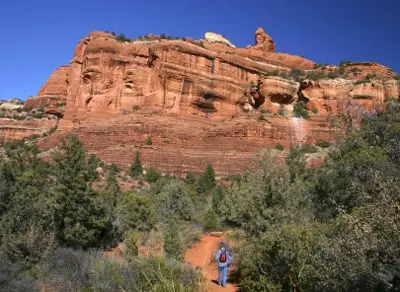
(222, 275)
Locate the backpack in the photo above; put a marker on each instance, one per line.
(222, 257)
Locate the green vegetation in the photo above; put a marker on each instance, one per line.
(323, 144)
(136, 169)
(52, 130)
(149, 141)
(279, 147)
(207, 180)
(122, 38)
(261, 118)
(367, 79)
(172, 241)
(299, 110)
(297, 74)
(331, 228)
(190, 179)
(314, 110)
(55, 219)
(152, 175)
(136, 108)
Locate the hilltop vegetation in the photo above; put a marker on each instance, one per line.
(333, 228)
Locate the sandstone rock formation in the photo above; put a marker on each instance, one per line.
(52, 96)
(263, 41)
(217, 38)
(200, 102)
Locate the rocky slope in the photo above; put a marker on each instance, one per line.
(202, 102)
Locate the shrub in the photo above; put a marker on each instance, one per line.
(136, 108)
(210, 220)
(279, 147)
(318, 65)
(149, 141)
(135, 212)
(174, 200)
(207, 180)
(261, 118)
(136, 169)
(344, 63)
(367, 79)
(190, 179)
(60, 104)
(323, 143)
(299, 110)
(131, 242)
(52, 130)
(13, 145)
(314, 110)
(172, 241)
(33, 137)
(315, 75)
(122, 38)
(297, 74)
(152, 175)
(264, 111)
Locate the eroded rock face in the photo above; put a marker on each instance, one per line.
(263, 41)
(52, 96)
(200, 102)
(16, 130)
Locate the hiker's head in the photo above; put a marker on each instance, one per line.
(222, 244)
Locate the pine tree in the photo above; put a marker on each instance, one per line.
(172, 241)
(112, 185)
(81, 222)
(152, 175)
(93, 163)
(190, 178)
(136, 168)
(207, 180)
(210, 220)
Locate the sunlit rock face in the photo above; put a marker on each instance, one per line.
(199, 101)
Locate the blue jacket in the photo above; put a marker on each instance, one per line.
(228, 257)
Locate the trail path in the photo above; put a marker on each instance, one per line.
(200, 255)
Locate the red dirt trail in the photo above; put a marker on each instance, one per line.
(200, 255)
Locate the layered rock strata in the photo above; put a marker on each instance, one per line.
(200, 102)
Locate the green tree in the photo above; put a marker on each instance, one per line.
(122, 38)
(300, 111)
(172, 241)
(136, 169)
(210, 219)
(93, 164)
(190, 179)
(81, 223)
(152, 175)
(207, 180)
(174, 200)
(136, 212)
(28, 227)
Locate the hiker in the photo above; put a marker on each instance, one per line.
(224, 260)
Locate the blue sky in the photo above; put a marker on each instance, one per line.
(38, 36)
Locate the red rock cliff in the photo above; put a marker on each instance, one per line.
(201, 102)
